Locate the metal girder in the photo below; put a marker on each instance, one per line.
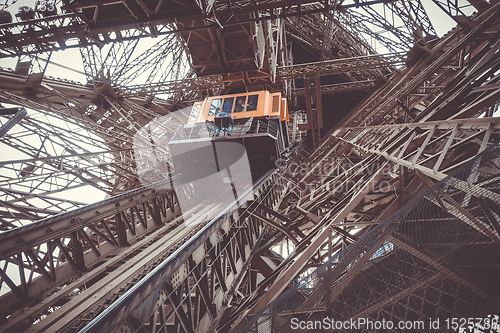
(98, 151)
(76, 243)
(216, 81)
(167, 48)
(339, 66)
(415, 254)
(457, 11)
(300, 259)
(425, 146)
(19, 114)
(23, 238)
(338, 88)
(393, 145)
(75, 29)
(84, 24)
(168, 87)
(419, 85)
(402, 36)
(415, 18)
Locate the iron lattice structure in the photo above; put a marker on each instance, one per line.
(419, 267)
(419, 107)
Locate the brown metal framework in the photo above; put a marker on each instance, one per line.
(133, 261)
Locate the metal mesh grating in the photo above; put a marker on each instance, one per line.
(438, 257)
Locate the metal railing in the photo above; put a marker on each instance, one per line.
(209, 130)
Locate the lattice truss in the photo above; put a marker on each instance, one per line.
(213, 273)
(434, 259)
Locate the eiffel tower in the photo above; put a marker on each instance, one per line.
(385, 206)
